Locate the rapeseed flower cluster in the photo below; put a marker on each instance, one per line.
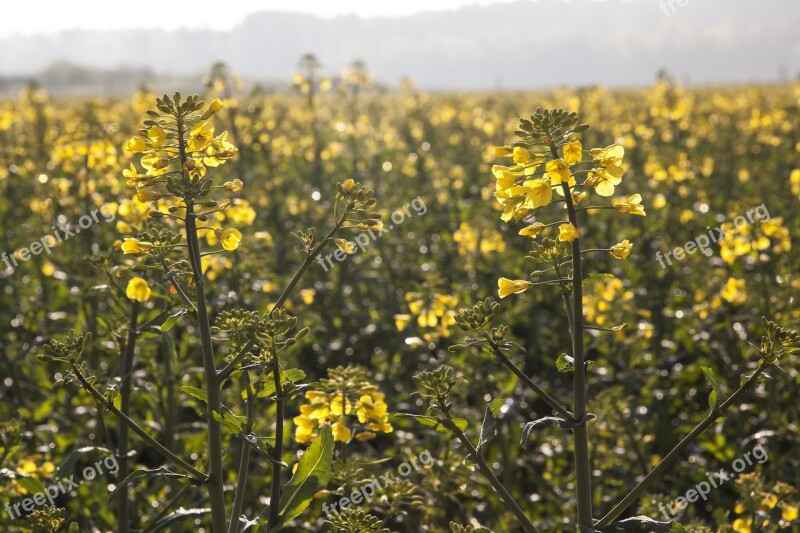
(351, 405)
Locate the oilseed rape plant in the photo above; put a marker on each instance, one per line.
(516, 359)
(547, 156)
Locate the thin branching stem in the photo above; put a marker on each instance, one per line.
(498, 487)
(668, 459)
(549, 400)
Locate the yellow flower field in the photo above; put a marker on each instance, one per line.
(256, 303)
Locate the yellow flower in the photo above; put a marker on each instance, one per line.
(135, 145)
(138, 290)
(336, 406)
(233, 186)
(135, 246)
(305, 429)
(789, 512)
(533, 230)
(307, 295)
(632, 205)
(349, 184)
(154, 164)
(558, 171)
(603, 182)
(734, 291)
(538, 193)
(609, 171)
(157, 136)
(505, 179)
(520, 155)
(371, 410)
(507, 287)
(578, 197)
(216, 105)
(28, 467)
(742, 525)
(200, 136)
(401, 321)
(146, 195)
(573, 152)
(345, 246)
(568, 233)
(770, 501)
(131, 174)
(219, 151)
(230, 238)
(501, 151)
(611, 156)
(341, 432)
(621, 250)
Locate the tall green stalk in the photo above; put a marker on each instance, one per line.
(126, 369)
(275, 491)
(580, 439)
(215, 475)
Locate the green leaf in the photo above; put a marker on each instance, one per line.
(172, 320)
(644, 523)
(488, 429)
(435, 423)
(231, 424)
(565, 363)
(68, 466)
(312, 475)
(177, 516)
(713, 398)
(292, 375)
(496, 405)
(200, 394)
(530, 426)
(461, 423)
(144, 473)
(31, 484)
(429, 421)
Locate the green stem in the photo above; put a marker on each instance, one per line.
(126, 369)
(167, 454)
(310, 259)
(244, 457)
(165, 508)
(216, 474)
(230, 367)
(668, 459)
(501, 491)
(580, 439)
(277, 452)
(549, 400)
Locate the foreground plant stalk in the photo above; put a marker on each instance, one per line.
(215, 476)
(275, 490)
(580, 439)
(244, 457)
(126, 369)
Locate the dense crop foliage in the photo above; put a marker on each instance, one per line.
(240, 299)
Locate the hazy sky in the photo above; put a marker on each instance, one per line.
(40, 16)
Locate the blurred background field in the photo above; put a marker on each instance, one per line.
(700, 154)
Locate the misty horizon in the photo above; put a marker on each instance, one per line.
(613, 43)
